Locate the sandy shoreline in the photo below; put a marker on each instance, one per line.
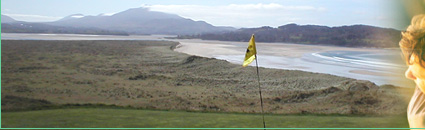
(209, 48)
(301, 57)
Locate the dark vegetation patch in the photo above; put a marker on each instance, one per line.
(348, 36)
(15, 103)
(11, 103)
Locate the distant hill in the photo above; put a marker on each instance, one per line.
(25, 27)
(141, 21)
(7, 19)
(348, 36)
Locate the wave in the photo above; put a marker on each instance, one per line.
(376, 63)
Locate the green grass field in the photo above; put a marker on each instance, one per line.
(132, 118)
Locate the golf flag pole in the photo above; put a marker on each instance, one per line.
(251, 54)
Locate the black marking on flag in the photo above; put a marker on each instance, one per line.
(248, 49)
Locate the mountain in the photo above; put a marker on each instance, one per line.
(26, 27)
(7, 19)
(141, 21)
(348, 36)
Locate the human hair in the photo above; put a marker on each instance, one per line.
(413, 41)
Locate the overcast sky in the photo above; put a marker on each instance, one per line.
(236, 13)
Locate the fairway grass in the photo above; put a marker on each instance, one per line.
(132, 118)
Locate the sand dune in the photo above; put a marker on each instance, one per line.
(150, 75)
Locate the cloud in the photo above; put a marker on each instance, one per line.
(271, 6)
(240, 15)
(33, 18)
(108, 14)
(5, 10)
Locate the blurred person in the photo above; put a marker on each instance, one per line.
(412, 45)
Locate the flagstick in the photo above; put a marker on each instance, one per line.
(259, 88)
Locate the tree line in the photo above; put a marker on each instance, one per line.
(347, 36)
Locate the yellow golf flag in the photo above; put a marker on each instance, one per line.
(250, 52)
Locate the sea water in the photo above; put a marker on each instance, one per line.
(384, 67)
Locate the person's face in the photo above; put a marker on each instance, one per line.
(416, 73)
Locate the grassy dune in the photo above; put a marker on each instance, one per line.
(128, 118)
(150, 75)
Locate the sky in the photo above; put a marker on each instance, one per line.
(235, 13)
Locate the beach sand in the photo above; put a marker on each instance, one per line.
(304, 57)
(209, 48)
